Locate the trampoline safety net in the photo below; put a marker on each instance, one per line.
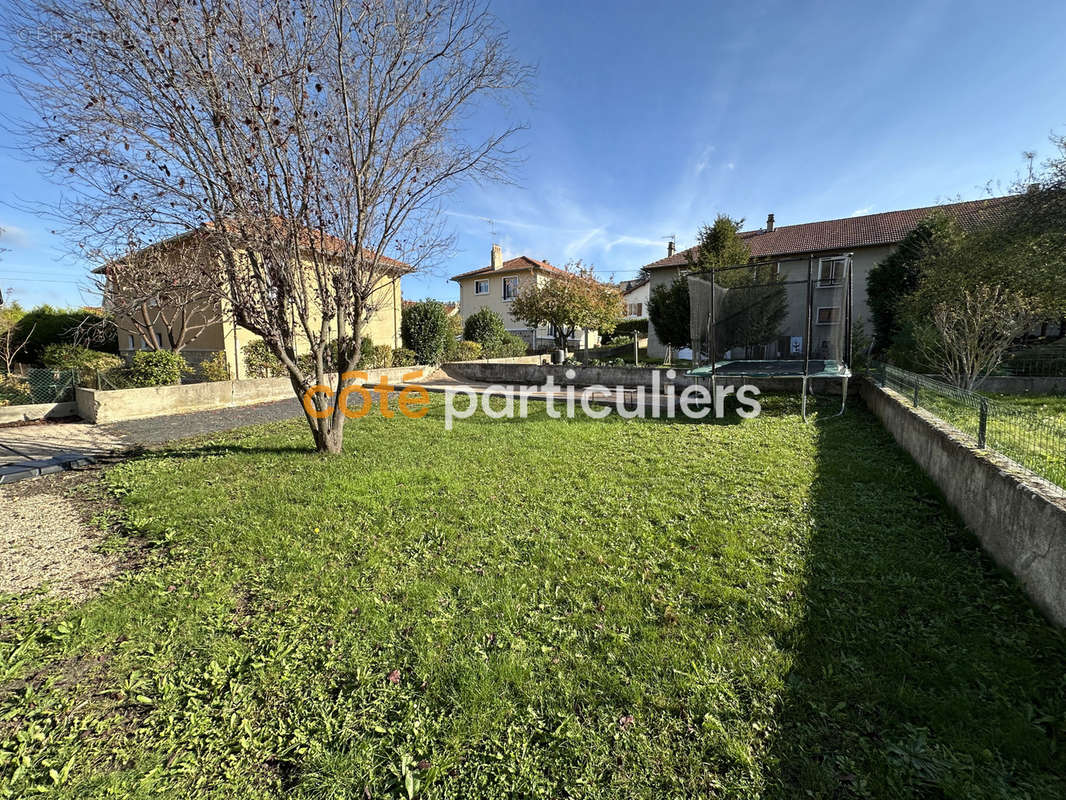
(773, 319)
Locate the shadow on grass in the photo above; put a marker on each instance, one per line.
(919, 668)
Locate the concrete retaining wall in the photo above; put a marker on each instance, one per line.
(116, 405)
(35, 411)
(512, 373)
(1019, 518)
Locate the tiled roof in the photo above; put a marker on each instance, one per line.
(625, 287)
(328, 242)
(514, 265)
(890, 227)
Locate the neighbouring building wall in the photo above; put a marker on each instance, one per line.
(383, 327)
(470, 303)
(637, 302)
(795, 269)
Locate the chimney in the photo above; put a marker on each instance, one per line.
(769, 223)
(670, 248)
(497, 256)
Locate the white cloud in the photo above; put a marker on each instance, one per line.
(730, 166)
(704, 159)
(862, 212)
(14, 236)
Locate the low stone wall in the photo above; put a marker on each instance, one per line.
(512, 372)
(1019, 518)
(35, 411)
(97, 406)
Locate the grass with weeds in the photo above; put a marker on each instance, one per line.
(538, 609)
(1029, 429)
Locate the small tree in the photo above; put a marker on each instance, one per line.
(426, 330)
(752, 314)
(895, 278)
(968, 335)
(568, 302)
(484, 326)
(719, 245)
(668, 312)
(12, 338)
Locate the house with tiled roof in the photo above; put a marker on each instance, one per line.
(635, 294)
(211, 317)
(495, 286)
(868, 239)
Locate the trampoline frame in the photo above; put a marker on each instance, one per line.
(844, 374)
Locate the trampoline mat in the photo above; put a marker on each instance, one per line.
(816, 368)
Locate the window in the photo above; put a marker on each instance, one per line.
(633, 309)
(481, 287)
(133, 342)
(158, 339)
(829, 315)
(510, 288)
(830, 271)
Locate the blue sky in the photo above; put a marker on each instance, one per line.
(648, 119)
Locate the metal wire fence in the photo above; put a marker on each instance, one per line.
(1035, 367)
(34, 385)
(1036, 442)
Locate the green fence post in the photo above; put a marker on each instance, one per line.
(982, 425)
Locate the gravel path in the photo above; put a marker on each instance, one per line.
(45, 538)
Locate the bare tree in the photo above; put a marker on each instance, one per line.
(971, 333)
(169, 288)
(308, 141)
(12, 341)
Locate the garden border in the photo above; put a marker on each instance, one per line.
(1019, 518)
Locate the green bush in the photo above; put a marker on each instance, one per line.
(425, 329)
(260, 362)
(14, 391)
(510, 346)
(404, 358)
(484, 326)
(47, 325)
(215, 368)
(73, 356)
(627, 327)
(467, 351)
(377, 356)
(158, 368)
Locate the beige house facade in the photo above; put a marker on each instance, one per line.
(635, 294)
(220, 334)
(496, 286)
(866, 239)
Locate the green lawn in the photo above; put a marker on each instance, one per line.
(539, 609)
(1031, 429)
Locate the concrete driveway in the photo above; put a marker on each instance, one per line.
(27, 451)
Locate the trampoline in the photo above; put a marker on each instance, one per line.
(759, 321)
